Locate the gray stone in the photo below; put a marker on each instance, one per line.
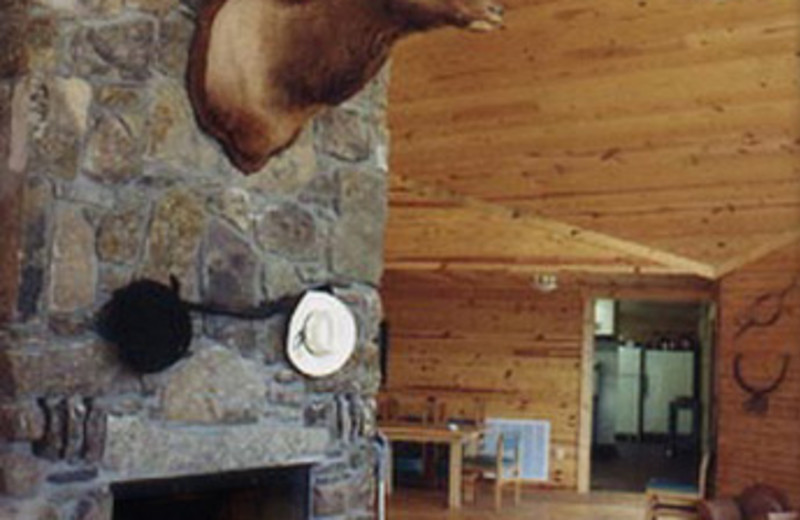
(291, 231)
(365, 303)
(358, 237)
(271, 339)
(171, 133)
(114, 150)
(59, 119)
(332, 471)
(97, 505)
(331, 499)
(90, 192)
(95, 432)
(175, 33)
(27, 510)
(21, 421)
(370, 357)
(292, 395)
(281, 278)
(372, 100)
(315, 274)
(37, 208)
(20, 474)
(121, 234)
(288, 172)
(347, 380)
(121, 99)
(118, 50)
(70, 323)
(242, 336)
(42, 40)
(174, 238)
(231, 269)
(234, 205)
(141, 449)
(364, 487)
(75, 435)
(6, 97)
(322, 191)
(14, 58)
(320, 414)
(75, 366)
(52, 444)
(105, 8)
(73, 268)
(159, 7)
(214, 386)
(343, 134)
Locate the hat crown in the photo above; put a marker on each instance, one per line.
(318, 332)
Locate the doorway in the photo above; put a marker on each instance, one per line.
(652, 373)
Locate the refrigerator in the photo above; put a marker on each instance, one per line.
(629, 385)
(647, 382)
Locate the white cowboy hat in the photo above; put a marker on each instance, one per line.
(322, 334)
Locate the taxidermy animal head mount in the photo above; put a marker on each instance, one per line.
(259, 69)
(758, 403)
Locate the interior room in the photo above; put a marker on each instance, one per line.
(399, 259)
(652, 392)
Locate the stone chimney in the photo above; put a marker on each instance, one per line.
(105, 179)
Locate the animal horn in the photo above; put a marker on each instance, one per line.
(737, 372)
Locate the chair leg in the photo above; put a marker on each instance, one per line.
(650, 509)
(498, 494)
(470, 486)
(518, 491)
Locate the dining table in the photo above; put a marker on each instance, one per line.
(455, 436)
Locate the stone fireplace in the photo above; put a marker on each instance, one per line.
(105, 179)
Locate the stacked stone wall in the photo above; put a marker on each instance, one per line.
(105, 178)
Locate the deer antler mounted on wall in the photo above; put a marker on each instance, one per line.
(259, 69)
(758, 403)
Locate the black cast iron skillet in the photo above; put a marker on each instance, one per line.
(151, 326)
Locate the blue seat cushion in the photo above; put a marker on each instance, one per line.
(408, 465)
(486, 461)
(662, 484)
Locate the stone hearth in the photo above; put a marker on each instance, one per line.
(104, 179)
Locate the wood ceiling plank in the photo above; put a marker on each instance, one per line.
(476, 233)
(672, 125)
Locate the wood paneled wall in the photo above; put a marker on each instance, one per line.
(517, 348)
(765, 448)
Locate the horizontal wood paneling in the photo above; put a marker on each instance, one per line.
(760, 448)
(495, 339)
(672, 124)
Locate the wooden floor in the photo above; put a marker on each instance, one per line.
(408, 504)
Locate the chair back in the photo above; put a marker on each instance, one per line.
(413, 408)
(508, 452)
(459, 411)
(702, 477)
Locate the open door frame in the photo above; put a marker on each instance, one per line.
(684, 289)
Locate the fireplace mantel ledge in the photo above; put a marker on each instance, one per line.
(138, 448)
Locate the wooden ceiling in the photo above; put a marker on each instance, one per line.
(599, 135)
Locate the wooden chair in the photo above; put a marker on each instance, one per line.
(677, 499)
(411, 461)
(504, 467)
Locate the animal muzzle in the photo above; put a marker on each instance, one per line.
(492, 19)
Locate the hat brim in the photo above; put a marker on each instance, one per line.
(343, 342)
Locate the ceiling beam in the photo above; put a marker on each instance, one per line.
(664, 260)
(777, 242)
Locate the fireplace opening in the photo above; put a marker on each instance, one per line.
(266, 494)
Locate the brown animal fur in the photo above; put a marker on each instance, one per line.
(259, 69)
